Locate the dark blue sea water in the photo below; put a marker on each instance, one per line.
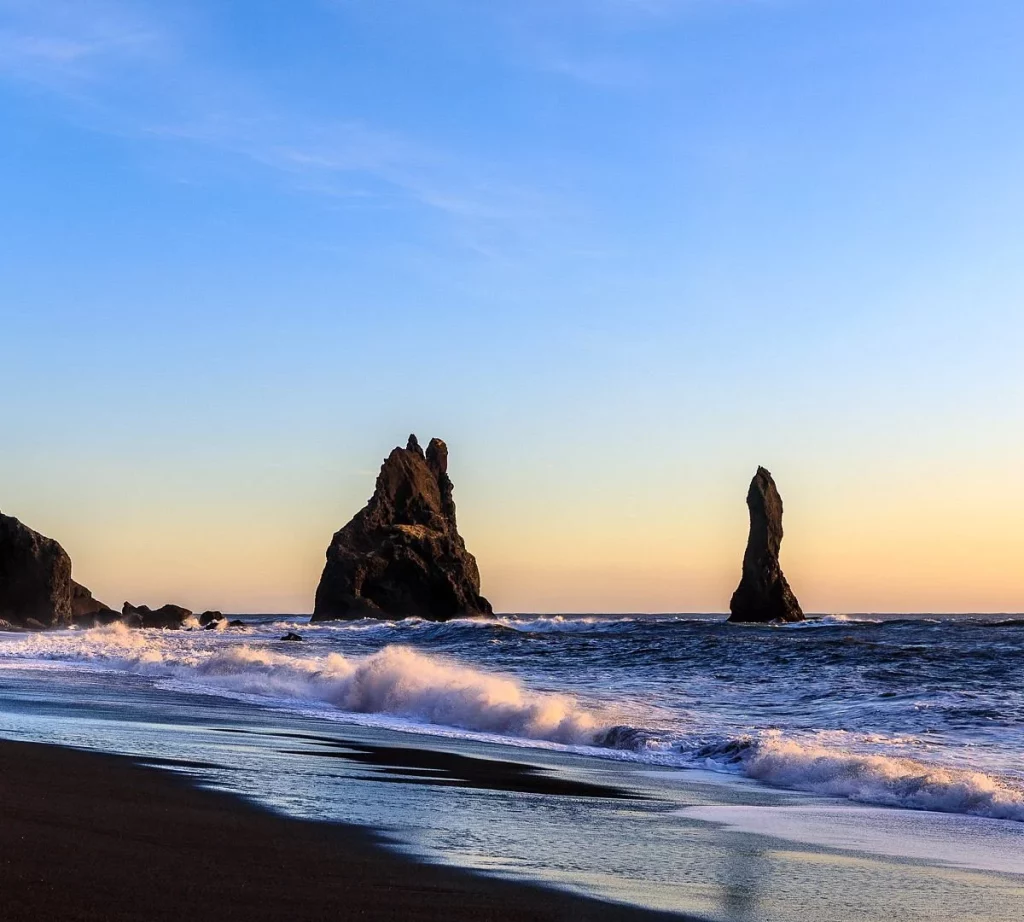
(913, 712)
(852, 769)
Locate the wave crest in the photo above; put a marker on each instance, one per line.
(890, 781)
(398, 682)
(395, 680)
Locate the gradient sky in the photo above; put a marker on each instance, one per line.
(616, 253)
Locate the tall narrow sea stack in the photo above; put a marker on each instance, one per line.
(401, 555)
(763, 594)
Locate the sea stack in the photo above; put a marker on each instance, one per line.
(763, 594)
(35, 577)
(401, 555)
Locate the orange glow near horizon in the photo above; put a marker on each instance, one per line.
(882, 550)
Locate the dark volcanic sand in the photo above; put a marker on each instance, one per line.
(86, 836)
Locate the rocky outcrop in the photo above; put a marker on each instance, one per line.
(87, 611)
(36, 588)
(763, 594)
(167, 616)
(210, 618)
(35, 577)
(402, 554)
(37, 591)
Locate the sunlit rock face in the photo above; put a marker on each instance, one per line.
(763, 594)
(88, 611)
(401, 555)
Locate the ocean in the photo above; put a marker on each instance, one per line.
(896, 740)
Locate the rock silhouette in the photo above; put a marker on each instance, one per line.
(167, 616)
(35, 577)
(763, 594)
(402, 555)
(87, 611)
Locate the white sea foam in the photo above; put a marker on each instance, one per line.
(985, 845)
(532, 624)
(885, 780)
(829, 621)
(398, 683)
(396, 680)
(557, 624)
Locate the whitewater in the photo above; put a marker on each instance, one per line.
(922, 713)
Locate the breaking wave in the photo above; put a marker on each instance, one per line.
(395, 680)
(883, 780)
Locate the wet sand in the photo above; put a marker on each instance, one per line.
(89, 836)
(415, 765)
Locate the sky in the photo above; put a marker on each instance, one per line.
(617, 253)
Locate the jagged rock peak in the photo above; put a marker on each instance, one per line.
(402, 555)
(437, 461)
(437, 456)
(763, 594)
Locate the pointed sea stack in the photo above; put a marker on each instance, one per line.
(763, 594)
(401, 555)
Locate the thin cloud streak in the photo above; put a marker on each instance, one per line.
(56, 42)
(80, 52)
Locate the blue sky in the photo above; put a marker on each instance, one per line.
(616, 252)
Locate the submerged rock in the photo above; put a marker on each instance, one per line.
(292, 636)
(35, 577)
(763, 594)
(402, 555)
(167, 616)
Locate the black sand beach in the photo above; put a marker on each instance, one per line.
(87, 836)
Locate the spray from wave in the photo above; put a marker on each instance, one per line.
(882, 780)
(395, 680)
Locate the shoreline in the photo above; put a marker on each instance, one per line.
(93, 836)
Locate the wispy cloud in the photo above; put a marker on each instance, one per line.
(131, 72)
(63, 43)
(352, 160)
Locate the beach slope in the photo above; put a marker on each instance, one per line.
(89, 836)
